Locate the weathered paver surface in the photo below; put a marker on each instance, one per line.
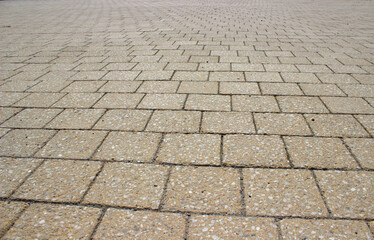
(176, 119)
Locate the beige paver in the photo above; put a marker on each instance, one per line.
(84, 86)
(226, 76)
(141, 225)
(335, 125)
(283, 124)
(238, 88)
(13, 172)
(9, 211)
(208, 102)
(282, 192)
(39, 100)
(6, 113)
(367, 121)
(296, 104)
(54, 221)
(363, 150)
(190, 76)
(348, 194)
(227, 122)
(163, 101)
(59, 180)
(138, 147)
(158, 87)
(198, 87)
(264, 151)
(119, 100)
(262, 77)
(120, 86)
(203, 189)
(31, 118)
(75, 144)
(347, 105)
(76, 119)
(300, 77)
(280, 89)
(321, 89)
(319, 229)
(175, 121)
(316, 152)
(225, 227)
(24, 142)
(155, 75)
(127, 120)
(197, 149)
(129, 185)
(78, 100)
(254, 104)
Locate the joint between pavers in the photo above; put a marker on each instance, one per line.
(321, 193)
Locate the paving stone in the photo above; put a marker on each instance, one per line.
(226, 76)
(39, 100)
(45, 221)
(129, 185)
(364, 79)
(283, 124)
(84, 86)
(214, 67)
(253, 67)
(13, 172)
(336, 78)
(280, 89)
(127, 120)
(363, 150)
(78, 100)
(313, 152)
(348, 194)
(138, 147)
(24, 142)
(141, 225)
(9, 98)
(17, 86)
(158, 87)
(347, 105)
(263, 151)
(74, 144)
(31, 118)
(227, 122)
(319, 229)
(163, 101)
(121, 75)
(282, 192)
(296, 104)
(6, 113)
(155, 75)
(335, 125)
(119, 100)
(197, 149)
(59, 181)
(88, 75)
(76, 119)
(120, 86)
(190, 76)
(228, 227)
(367, 121)
(254, 104)
(174, 121)
(262, 77)
(9, 211)
(208, 102)
(300, 77)
(238, 88)
(203, 189)
(321, 89)
(198, 87)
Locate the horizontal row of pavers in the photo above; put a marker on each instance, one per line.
(203, 102)
(193, 149)
(326, 125)
(245, 191)
(184, 87)
(80, 222)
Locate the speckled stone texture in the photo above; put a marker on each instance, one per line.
(187, 119)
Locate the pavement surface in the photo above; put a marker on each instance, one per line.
(167, 119)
